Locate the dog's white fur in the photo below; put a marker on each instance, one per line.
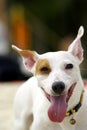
(31, 104)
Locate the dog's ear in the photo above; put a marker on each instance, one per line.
(76, 48)
(29, 57)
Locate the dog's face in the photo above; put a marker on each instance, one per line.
(57, 74)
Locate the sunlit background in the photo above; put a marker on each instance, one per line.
(40, 25)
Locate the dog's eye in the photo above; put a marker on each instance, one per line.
(69, 66)
(44, 69)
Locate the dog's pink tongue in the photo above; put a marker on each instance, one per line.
(57, 110)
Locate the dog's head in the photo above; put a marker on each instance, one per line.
(57, 74)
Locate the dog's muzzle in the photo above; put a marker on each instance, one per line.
(58, 101)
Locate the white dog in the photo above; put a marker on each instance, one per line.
(54, 98)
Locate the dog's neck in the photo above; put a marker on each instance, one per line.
(77, 93)
(79, 97)
(77, 107)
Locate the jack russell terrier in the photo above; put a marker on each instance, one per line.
(54, 98)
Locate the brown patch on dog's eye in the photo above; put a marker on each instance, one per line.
(43, 67)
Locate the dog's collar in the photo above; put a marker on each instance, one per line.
(75, 109)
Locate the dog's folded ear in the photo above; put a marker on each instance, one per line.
(76, 48)
(29, 57)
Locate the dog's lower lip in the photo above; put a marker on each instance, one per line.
(70, 91)
(46, 94)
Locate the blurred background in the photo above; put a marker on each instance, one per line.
(41, 25)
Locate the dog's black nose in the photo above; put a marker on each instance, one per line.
(58, 87)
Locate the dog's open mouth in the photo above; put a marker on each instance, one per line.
(58, 108)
